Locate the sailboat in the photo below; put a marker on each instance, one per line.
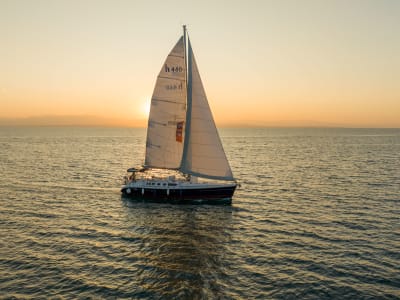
(185, 160)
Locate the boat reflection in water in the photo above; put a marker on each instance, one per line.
(185, 248)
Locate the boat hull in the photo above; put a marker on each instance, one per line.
(184, 195)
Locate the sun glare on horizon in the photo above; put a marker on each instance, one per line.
(145, 108)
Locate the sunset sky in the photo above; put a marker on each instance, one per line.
(263, 63)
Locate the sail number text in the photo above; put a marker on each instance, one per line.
(173, 69)
(177, 86)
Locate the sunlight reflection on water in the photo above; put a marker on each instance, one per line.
(316, 217)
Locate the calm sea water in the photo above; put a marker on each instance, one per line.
(317, 217)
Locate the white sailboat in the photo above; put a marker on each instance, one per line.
(185, 159)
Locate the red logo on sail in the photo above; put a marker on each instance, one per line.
(179, 131)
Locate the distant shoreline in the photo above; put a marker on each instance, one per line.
(124, 122)
(222, 126)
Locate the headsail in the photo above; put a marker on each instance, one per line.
(203, 153)
(164, 142)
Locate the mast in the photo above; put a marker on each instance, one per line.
(188, 58)
(185, 49)
(186, 61)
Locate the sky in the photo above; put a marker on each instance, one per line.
(262, 63)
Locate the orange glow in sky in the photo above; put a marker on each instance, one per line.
(263, 63)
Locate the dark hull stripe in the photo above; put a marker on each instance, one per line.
(206, 195)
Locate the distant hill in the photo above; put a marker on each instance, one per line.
(71, 120)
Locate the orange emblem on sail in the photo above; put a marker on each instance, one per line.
(179, 131)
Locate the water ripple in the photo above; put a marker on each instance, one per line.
(316, 217)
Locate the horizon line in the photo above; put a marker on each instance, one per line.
(222, 126)
(100, 121)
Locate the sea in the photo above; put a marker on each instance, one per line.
(317, 216)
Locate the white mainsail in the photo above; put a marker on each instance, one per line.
(181, 131)
(203, 153)
(165, 131)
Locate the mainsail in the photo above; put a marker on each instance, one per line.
(203, 154)
(181, 130)
(164, 143)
